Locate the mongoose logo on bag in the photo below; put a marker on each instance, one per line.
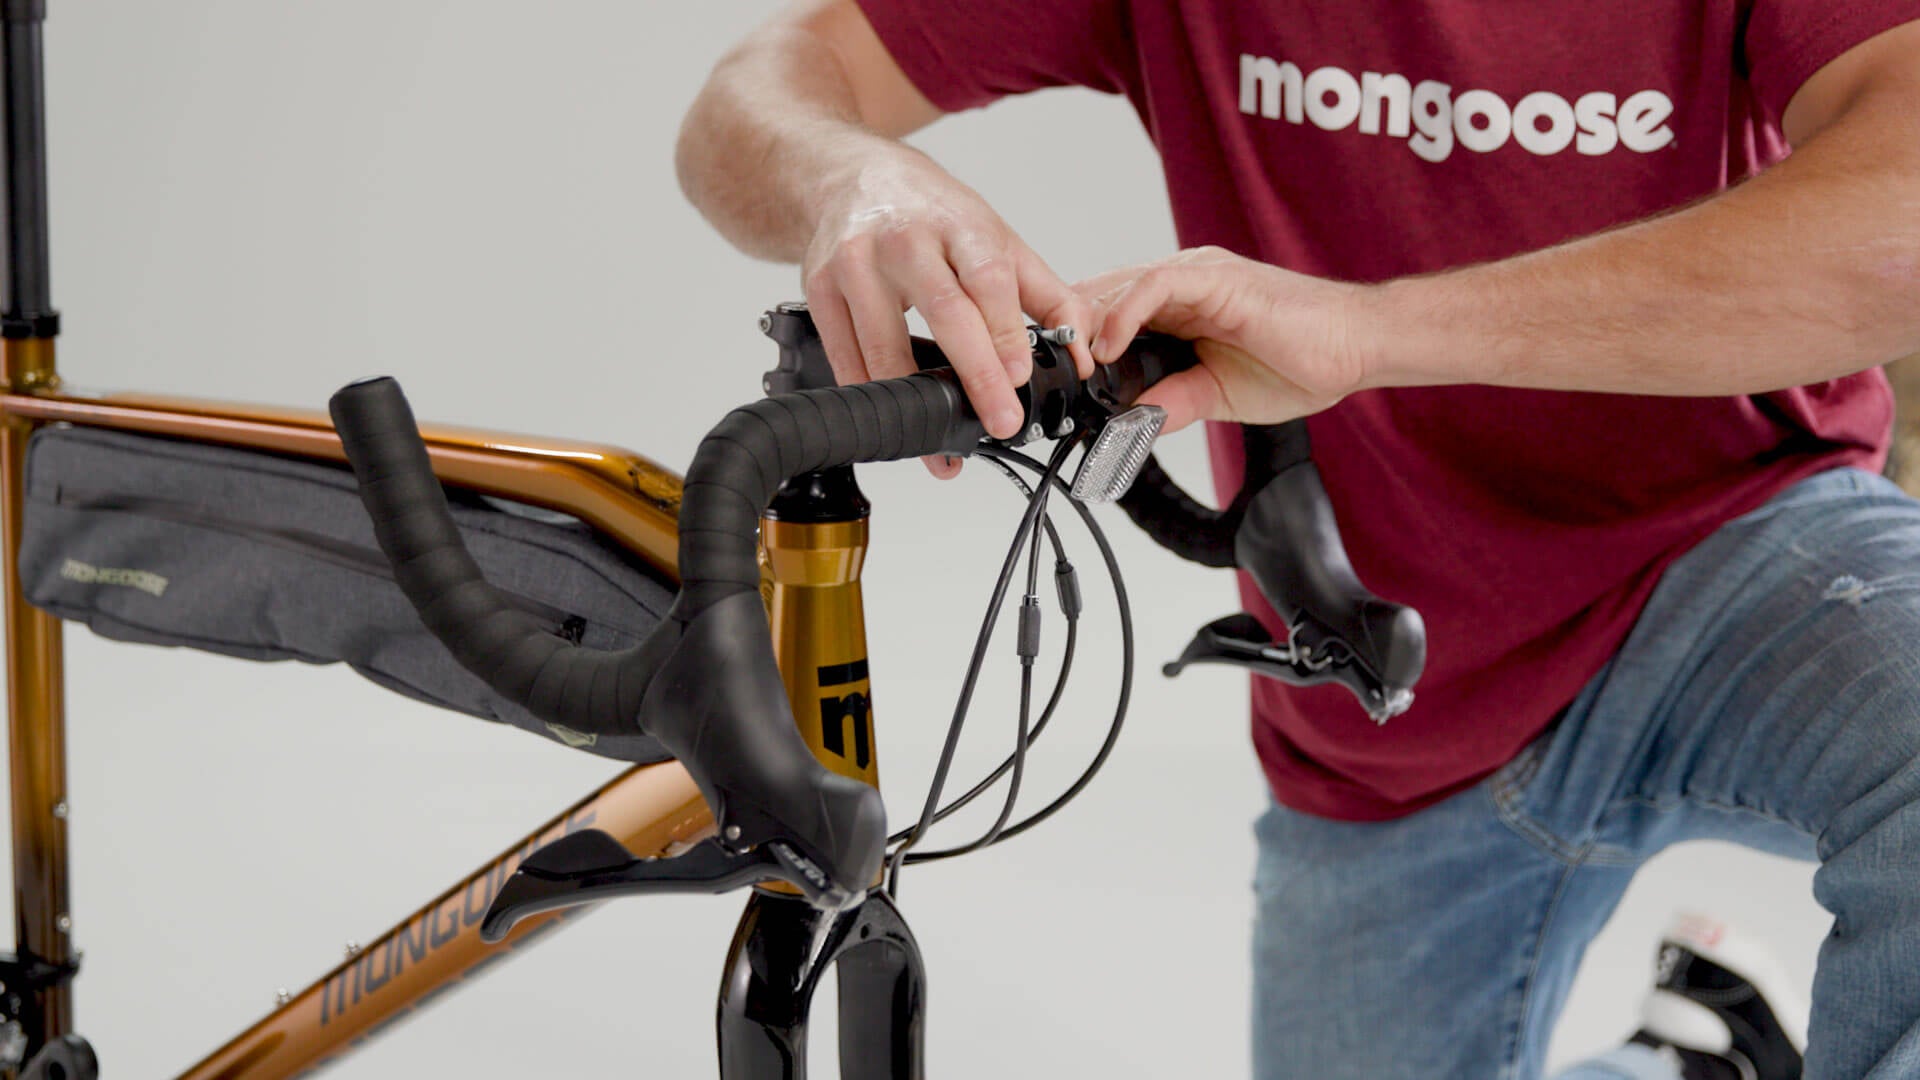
(570, 737)
(144, 580)
(1434, 120)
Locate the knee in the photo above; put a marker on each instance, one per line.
(1868, 772)
(1854, 709)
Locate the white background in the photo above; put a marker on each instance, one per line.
(260, 201)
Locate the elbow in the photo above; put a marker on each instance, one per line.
(700, 148)
(719, 134)
(693, 149)
(1889, 289)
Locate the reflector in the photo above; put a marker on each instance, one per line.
(1117, 453)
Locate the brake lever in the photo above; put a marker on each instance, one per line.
(589, 866)
(1310, 658)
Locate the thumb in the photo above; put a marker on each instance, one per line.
(1193, 394)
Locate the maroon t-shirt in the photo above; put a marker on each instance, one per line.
(1369, 139)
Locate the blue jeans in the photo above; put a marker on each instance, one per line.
(1769, 695)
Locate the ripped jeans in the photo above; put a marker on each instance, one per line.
(1769, 695)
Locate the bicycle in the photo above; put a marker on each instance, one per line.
(799, 813)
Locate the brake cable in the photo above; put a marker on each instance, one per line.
(1036, 507)
(1048, 478)
(1069, 596)
(1126, 647)
(1028, 648)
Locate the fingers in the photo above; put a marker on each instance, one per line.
(973, 290)
(1193, 394)
(1125, 311)
(989, 278)
(1098, 291)
(888, 272)
(1053, 302)
(1183, 296)
(934, 290)
(1266, 339)
(880, 325)
(1004, 289)
(835, 324)
(878, 331)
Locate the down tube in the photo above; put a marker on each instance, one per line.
(653, 810)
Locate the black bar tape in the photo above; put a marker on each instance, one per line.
(480, 626)
(1177, 521)
(1199, 533)
(1167, 514)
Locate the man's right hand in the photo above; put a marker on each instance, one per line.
(902, 233)
(792, 151)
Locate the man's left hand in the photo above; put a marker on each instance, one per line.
(1273, 345)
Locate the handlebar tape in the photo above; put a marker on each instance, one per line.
(1198, 533)
(1177, 521)
(478, 624)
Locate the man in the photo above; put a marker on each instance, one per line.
(1591, 367)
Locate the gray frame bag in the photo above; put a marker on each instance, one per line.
(250, 554)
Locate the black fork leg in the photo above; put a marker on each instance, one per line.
(771, 974)
(782, 948)
(883, 997)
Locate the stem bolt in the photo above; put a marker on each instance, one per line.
(1060, 335)
(60, 810)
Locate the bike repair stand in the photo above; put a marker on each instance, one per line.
(36, 997)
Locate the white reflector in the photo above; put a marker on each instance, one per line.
(1117, 453)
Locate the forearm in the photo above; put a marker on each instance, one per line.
(1809, 272)
(776, 127)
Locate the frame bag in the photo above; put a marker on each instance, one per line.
(250, 554)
